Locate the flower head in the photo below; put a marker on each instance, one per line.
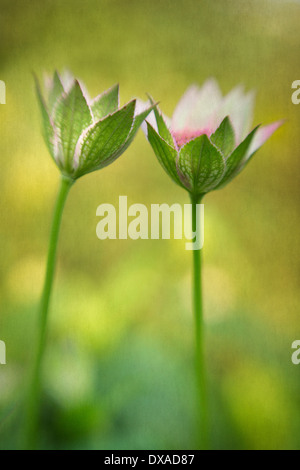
(84, 135)
(207, 142)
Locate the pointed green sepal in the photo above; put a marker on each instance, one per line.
(55, 92)
(102, 142)
(138, 120)
(224, 138)
(71, 116)
(162, 127)
(235, 162)
(165, 154)
(201, 165)
(106, 103)
(48, 129)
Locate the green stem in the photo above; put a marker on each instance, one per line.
(199, 332)
(34, 395)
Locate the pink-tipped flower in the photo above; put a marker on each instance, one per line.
(207, 142)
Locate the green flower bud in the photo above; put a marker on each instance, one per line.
(85, 135)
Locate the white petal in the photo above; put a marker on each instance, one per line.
(197, 107)
(67, 80)
(141, 106)
(239, 107)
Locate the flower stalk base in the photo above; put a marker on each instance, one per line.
(32, 405)
(199, 336)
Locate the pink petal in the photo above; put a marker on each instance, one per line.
(262, 135)
(186, 135)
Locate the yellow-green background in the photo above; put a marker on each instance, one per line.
(118, 371)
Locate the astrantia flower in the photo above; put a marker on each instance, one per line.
(85, 135)
(208, 141)
(82, 135)
(205, 144)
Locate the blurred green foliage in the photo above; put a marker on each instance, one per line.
(118, 372)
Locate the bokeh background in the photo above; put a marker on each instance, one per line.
(118, 371)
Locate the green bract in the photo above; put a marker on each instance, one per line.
(85, 135)
(207, 141)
